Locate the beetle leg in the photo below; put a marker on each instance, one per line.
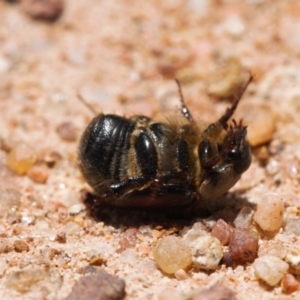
(128, 185)
(230, 111)
(184, 110)
(136, 183)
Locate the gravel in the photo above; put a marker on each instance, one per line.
(270, 269)
(98, 286)
(121, 57)
(171, 254)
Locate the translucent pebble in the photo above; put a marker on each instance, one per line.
(171, 293)
(293, 259)
(192, 234)
(42, 226)
(261, 121)
(21, 158)
(292, 226)
(222, 231)
(269, 213)
(207, 252)
(270, 269)
(289, 284)
(244, 217)
(215, 292)
(129, 238)
(129, 257)
(181, 274)
(23, 281)
(273, 247)
(38, 174)
(171, 254)
(76, 209)
(48, 10)
(72, 228)
(243, 247)
(67, 131)
(39, 280)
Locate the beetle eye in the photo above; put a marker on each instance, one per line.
(233, 153)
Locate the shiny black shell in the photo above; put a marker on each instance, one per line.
(138, 162)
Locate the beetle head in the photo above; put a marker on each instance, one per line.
(236, 149)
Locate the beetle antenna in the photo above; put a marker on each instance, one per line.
(88, 105)
(230, 111)
(184, 110)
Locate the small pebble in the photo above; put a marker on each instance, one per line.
(269, 212)
(45, 10)
(243, 247)
(21, 158)
(260, 120)
(97, 261)
(207, 252)
(216, 292)
(67, 132)
(293, 259)
(171, 254)
(289, 284)
(20, 246)
(181, 274)
(76, 209)
(72, 228)
(98, 286)
(270, 269)
(38, 279)
(52, 158)
(129, 257)
(192, 234)
(171, 293)
(273, 167)
(22, 281)
(222, 231)
(273, 247)
(292, 226)
(128, 239)
(49, 253)
(226, 82)
(38, 174)
(61, 237)
(244, 217)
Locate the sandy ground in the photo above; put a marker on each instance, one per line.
(122, 57)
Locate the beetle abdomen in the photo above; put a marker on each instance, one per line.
(103, 146)
(118, 155)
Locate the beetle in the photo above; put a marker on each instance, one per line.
(142, 163)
